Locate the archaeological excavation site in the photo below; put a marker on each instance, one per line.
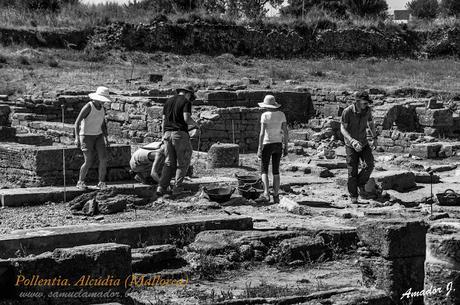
(188, 159)
(216, 244)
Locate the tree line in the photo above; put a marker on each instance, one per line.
(257, 9)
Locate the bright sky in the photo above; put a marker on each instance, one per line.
(393, 4)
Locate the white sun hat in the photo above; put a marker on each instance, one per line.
(102, 94)
(269, 102)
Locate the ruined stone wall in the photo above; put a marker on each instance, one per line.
(135, 117)
(278, 41)
(402, 117)
(246, 40)
(28, 165)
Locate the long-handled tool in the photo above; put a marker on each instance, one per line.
(431, 172)
(63, 157)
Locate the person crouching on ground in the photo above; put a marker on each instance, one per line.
(177, 116)
(273, 132)
(356, 118)
(91, 136)
(148, 163)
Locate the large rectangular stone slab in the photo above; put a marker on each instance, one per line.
(394, 238)
(130, 233)
(7, 133)
(76, 268)
(396, 180)
(41, 195)
(394, 276)
(425, 150)
(28, 165)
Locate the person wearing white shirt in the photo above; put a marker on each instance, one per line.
(273, 133)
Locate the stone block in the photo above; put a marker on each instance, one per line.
(148, 232)
(33, 139)
(443, 243)
(7, 133)
(443, 284)
(155, 78)
(155, 112)
(117, 116)
(395, 276)
(396, 180)
(394, 238)
(434, 117)
(425, 150)
(446, 151)
(152, 258)
(221, 241)
(301, 135)
(304, 248)
(77, 268)
(227, 96)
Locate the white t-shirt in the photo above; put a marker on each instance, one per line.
(273, 121)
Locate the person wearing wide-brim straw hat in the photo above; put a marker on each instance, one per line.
(91, 136)
(273, 133)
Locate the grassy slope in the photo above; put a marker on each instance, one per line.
(75, 70)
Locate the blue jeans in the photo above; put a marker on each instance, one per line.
(178, 151)
(355, 178)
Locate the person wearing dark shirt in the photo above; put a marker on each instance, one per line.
(356, 119)
(177, 116)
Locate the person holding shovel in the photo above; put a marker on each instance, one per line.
(273, 133)
(356, 119)
(91, 136)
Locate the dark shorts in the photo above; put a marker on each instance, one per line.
(93, 144)
(272, 151)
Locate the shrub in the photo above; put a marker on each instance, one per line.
(451, 7)
(423, 9)
(50, 5)
(299, 8)
(23, 60)
(53, 63)
(366, 7)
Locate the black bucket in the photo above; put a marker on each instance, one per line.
(219, 194)
(250, 192)
(249, 180)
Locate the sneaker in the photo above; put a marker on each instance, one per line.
(276, 199)
(160, 191)
(82, 185)
(101, 185)
(263, 198)
(364, 194)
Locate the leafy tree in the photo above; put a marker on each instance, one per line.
(424, 9)
(366, 7)
(255, 9)
(252, 9)
(451, 7)
(297, 8)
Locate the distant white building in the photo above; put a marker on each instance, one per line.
(401, 16)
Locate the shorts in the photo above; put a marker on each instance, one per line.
(272, 151)
(93, 144)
